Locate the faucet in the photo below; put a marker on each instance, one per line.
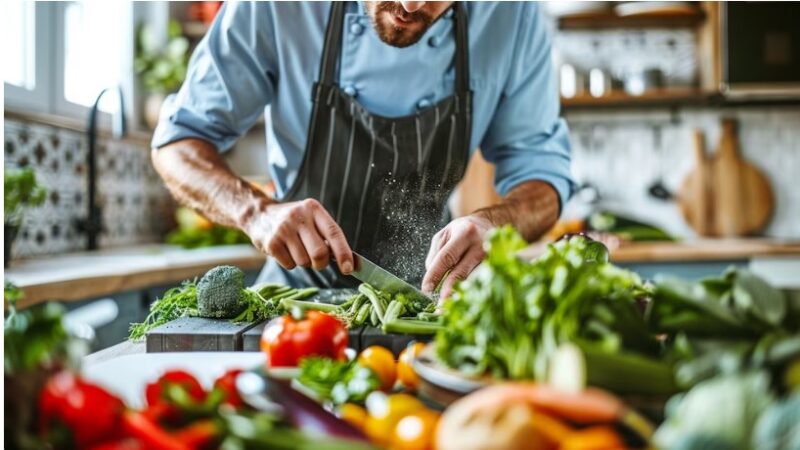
(92, 224)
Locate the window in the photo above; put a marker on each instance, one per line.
(93, 44)
(62, 54)
(18, 38)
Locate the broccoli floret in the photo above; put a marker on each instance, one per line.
(219, 293)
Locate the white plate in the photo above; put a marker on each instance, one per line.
(127, 376)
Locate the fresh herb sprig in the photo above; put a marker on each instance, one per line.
(177, 302)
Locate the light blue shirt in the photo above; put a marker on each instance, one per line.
(259, 55)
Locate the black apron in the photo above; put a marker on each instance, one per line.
(385, 181)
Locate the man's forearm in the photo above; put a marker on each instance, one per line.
(531, 207)
(198, 177)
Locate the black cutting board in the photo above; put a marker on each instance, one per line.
(189, 334)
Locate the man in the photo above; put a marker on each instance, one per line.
(375, 108)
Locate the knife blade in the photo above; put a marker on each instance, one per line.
(380, 278)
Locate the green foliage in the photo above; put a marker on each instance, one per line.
(779, 427)
(21, 192)
(723, 409)
(510, 315)
(12, 293)
(177, 302)
(260, 302)
(219, 293)
(34, 338)
(337, 381)
(724, 324)
(201, 237)
(162, 67)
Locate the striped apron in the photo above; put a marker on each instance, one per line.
(385, 181)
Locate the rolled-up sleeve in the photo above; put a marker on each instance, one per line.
(231, 78)
(526, 139)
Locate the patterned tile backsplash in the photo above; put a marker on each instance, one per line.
(133, 198)
(623, 153)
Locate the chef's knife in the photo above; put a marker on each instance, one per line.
(379, 278)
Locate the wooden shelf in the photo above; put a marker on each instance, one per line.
(660, 97)
(670, 98)
(608, 19)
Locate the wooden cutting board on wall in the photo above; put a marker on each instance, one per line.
(743, 200)
(725, 195)
(694, 197)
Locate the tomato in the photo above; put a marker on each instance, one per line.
(90, 413)
(354, 414)
(160, 407)
(381, 361)
(405, 366)
(286, 341)
(227, 384)
(415, 431)
(385, 411)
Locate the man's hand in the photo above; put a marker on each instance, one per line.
(457, 248)
(301, 234)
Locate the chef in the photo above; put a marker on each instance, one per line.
(374, 110)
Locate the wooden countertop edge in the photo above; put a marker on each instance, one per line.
(85, 288)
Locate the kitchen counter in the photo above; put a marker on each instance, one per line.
(699, 250)
(79, 276)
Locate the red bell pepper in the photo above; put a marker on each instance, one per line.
(92, 414)
(286, 341)
(227, 384)
(199, 435)
(160, 406)
(144, 429)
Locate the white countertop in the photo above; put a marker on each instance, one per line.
(76, 276)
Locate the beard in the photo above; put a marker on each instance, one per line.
(408, 31)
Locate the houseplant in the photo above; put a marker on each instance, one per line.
(21, 192)
(161, 66)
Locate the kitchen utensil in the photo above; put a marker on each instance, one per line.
(599, 82)
(658, 189)
(743, 200)
(638, 82)
(369, 272)
(694, 198)
(572, 82)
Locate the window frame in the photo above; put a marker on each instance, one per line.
(37, 99)
(48, 96)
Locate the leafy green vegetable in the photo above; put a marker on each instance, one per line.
(260, 302)
(394, 314)
(739, 304)
(725, 407)
(34, 338)
(779, 427)
(21, 191)
(337, 381)
(219, 293)
(12, 293)
(735, 322)
(510, 315)
(201, 237)
(176, 302)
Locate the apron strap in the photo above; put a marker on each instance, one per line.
(333, 42)
(462, 49)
